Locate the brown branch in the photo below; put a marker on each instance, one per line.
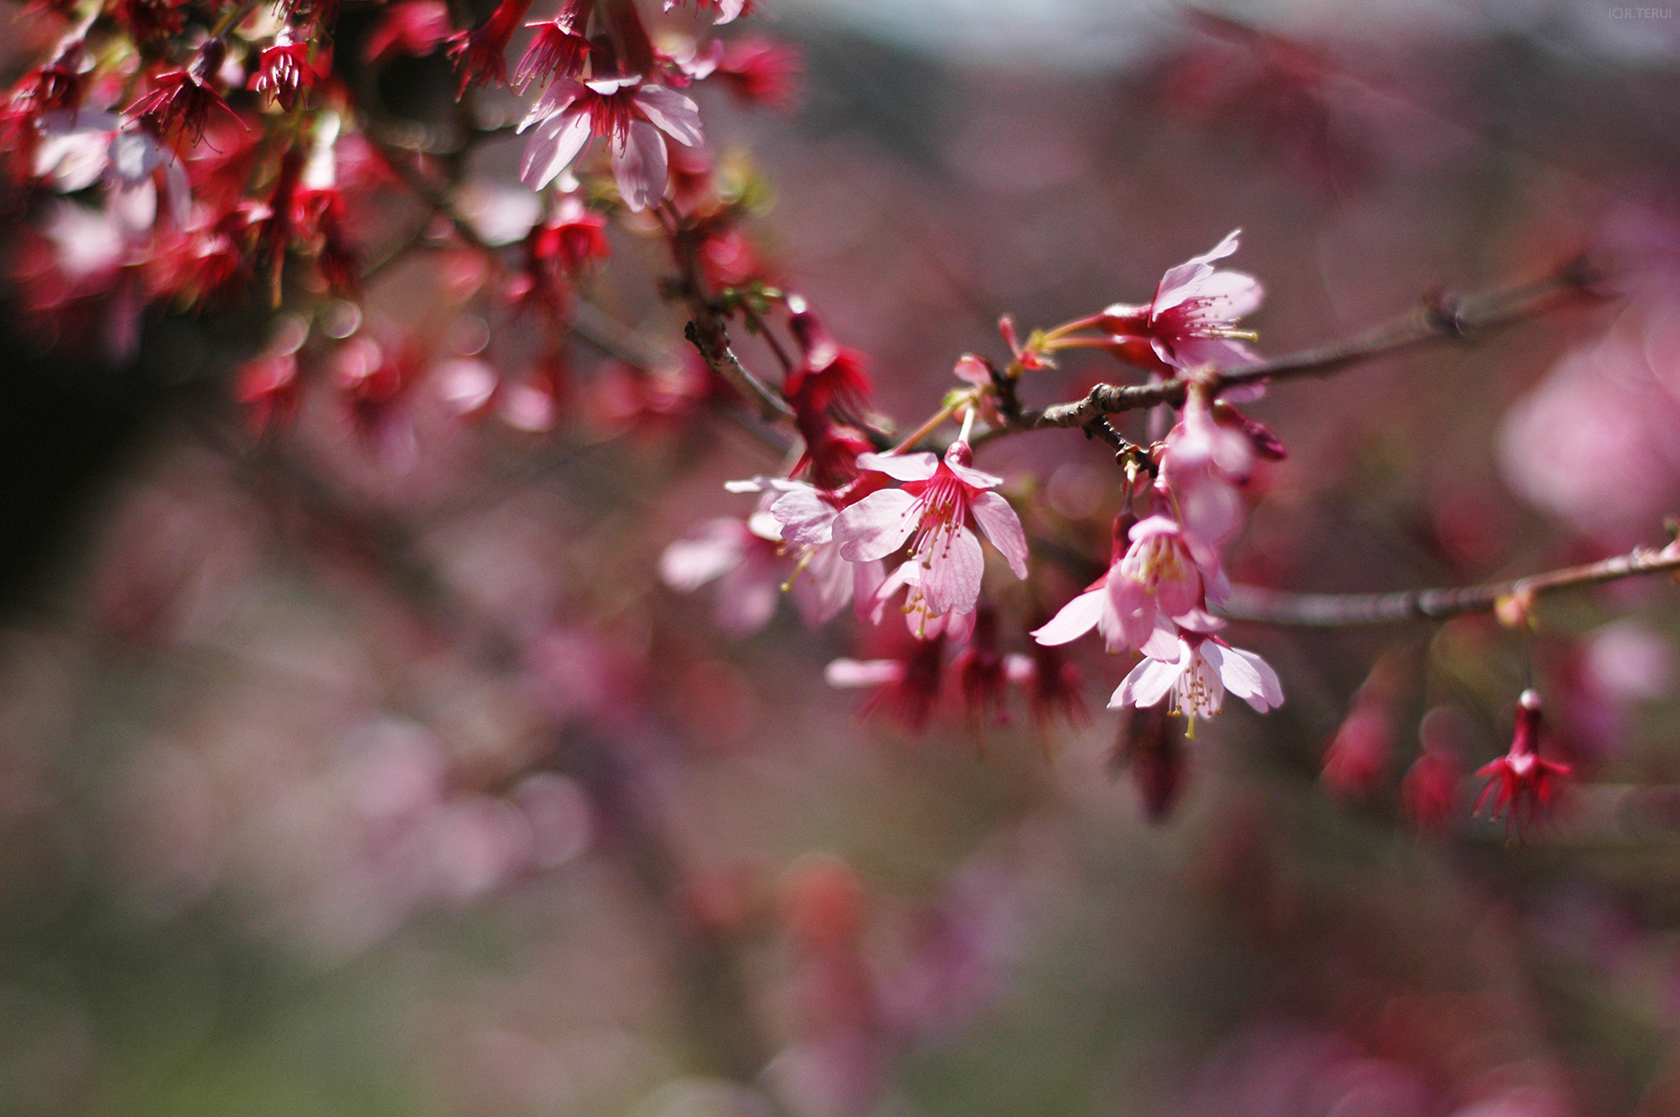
(708, 332)
(1440, 318)
(1334, 610)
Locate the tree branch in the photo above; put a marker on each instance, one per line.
(1439, 318)
(709, 334)
(1333, 610)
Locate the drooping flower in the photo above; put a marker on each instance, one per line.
(283, 70)
(179, 102)
(1193, 318)
(830, 380)
(481, 54)
(932, 511)
(558, 49)
(1521, 784)
(908, 685)
(1204, 669)
(1166, 572)
(1204, 464)
(628, 114)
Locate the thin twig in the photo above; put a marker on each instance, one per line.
(1336, 610)
(711, 337)
(1440, 318)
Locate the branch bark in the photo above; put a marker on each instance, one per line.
(1334, 610)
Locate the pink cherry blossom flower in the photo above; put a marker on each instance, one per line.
(822, 581)
(1192, 319)
(624, 111)
(932, 510)
(1205, 668)
(1166, 572)
(1521, 784)
(743, 557)
(1203, 465)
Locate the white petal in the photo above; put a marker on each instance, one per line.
(805, 516)
(1146, 684)
(671, 113)
(552, 147)
(639, 165)
(1075, 619)
(867, 672)
(877, 525)
(704, 554)
(902, 467)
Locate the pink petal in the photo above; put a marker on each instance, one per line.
(671, 113)
(805, 516)
(639, 165)
(1075, 619)
(746, 598)
(705, 554)
(824, 587)
(1134, 608)
(901, 467)
(552, 103)
(1186, 279)
(877, 525)
(951, 580)
(866, 672)
(867, 580)
(552, 147)
(1003, 527)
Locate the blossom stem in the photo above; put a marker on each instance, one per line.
(1335, 610)
(233, 18)
(928, 427)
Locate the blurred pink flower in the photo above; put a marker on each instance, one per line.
(1204, 463)
(624, 111)
(1521, 784)
(1598, 442)
(743, 557)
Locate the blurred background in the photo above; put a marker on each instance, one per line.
(362, 774)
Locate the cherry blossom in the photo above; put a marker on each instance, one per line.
(481, 54)
(628, 114)
(1203, 465)
(932, 511)
(1521, 784)
(742, 557)
(179, 102)
(1198, 677)
(557, 50)
(283, 70)
(1192, 319)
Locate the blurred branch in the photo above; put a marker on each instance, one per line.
(708, 332)
(1439, 318)
(588, 321)
(1322, 610)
